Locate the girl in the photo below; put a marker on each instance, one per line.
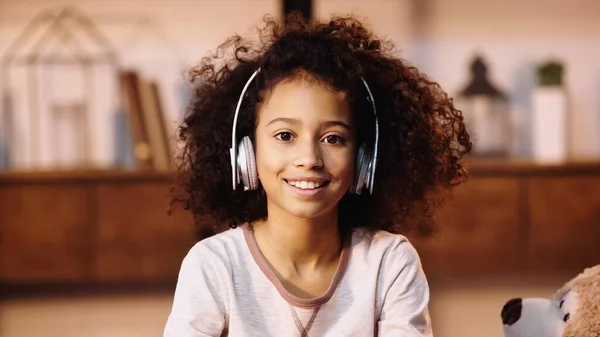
(317, 148)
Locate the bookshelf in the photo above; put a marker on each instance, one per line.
(73, 102)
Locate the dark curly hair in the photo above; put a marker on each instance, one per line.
(422, 135)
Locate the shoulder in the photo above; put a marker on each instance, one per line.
(391, 254)
(388, 246)
(228, 240)
(216, 251)
(395, 259)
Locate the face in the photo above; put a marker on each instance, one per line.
(305, 141)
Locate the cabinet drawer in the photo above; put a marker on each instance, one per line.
(45, 233)
(137, 241)
(478, 230)
(564, 232)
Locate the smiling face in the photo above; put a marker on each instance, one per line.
(305, 143)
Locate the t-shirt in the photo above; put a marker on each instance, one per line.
(227, 287)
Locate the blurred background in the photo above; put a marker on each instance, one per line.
(92, 92)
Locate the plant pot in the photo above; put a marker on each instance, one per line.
(550, 125)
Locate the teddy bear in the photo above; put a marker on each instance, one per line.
(574, 311)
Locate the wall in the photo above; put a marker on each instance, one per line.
(439, 37)
(171, 37)
(513, 36)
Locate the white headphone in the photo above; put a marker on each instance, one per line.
(243, 163)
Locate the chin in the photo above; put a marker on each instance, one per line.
(309, 212)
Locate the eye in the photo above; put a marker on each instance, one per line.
(284, 136)
(561, 304)
(334, 139)
(566, 317)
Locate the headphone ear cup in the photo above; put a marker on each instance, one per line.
(247, 164)
(361, 170)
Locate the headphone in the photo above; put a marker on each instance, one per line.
(243, 162)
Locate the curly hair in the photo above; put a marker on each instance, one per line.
(422, 135)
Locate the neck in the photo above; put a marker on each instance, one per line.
(304, 243)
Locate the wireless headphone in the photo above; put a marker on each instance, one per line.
(243, 163)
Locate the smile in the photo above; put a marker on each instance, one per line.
(307, 188)
(306, 185)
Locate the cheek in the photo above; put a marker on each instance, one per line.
(267, 164)
(349, 163)
(342, 163)
(268, 161)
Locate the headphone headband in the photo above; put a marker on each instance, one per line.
(372, 169)
(233, 151)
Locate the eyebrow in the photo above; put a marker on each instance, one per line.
(285, 120)
(298, 122)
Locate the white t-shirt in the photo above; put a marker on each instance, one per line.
(227, 286)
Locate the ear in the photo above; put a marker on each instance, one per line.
(592, 271)
(538, 317)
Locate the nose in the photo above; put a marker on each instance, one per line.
(308, 155)
(511, 312)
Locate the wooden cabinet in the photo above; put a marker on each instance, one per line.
(479, 230)
(45, 233)
(518, 218)
(564, 227)
(136, 239)
(90, 228)
(112, 227)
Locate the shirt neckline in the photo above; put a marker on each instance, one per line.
(294, 300)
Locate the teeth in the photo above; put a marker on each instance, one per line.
(305, 185)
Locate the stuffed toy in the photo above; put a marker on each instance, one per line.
(573, 312)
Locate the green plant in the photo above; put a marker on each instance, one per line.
(550, 73)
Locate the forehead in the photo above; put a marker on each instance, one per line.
(307, 101)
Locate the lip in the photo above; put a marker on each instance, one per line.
(307, 179)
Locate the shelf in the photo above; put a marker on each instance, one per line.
(499, 168)
(111, 226)
(477, 168)
(27, 177)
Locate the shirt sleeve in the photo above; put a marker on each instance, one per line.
(199, 308)
(405, 310)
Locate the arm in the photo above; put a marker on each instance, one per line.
(199, 302)
(405, 306)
